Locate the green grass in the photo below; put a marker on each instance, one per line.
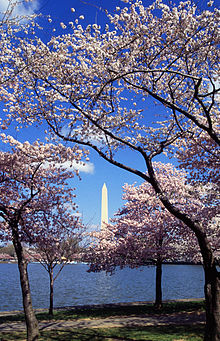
(149, 333)
(159, 333)
(108, 310)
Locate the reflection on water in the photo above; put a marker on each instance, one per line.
(75, 286)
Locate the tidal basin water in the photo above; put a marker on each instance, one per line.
(75, 286)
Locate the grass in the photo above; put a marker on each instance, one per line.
(149, 333)
(111, 310)
(159, 333)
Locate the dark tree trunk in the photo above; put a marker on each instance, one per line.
(158, 299)
(212, 297)
(212, 277)
(51, 291)
(30, 318)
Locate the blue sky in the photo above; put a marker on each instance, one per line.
(88, 190)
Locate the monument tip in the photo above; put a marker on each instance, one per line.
(104, 209)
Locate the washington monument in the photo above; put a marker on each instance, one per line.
(104, 213)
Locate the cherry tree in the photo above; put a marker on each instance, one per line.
(110, 77)
(17, 18)
(33, 178)
(201, 160)
(57, 242)
(144, 232)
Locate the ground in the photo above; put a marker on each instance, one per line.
(127, 320)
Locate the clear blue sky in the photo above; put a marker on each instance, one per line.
(89, 188)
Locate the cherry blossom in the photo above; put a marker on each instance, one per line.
(34, 185)
(101, 82)
(144, 232)
(57, 238)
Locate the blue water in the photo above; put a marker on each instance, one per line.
(75, 286)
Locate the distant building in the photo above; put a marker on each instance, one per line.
(4, 257)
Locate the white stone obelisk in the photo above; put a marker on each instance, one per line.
(104, 212)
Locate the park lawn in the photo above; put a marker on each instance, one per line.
(114, 310)
(149, 333)
(158, 333)
(127, 310)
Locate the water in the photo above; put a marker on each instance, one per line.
(75, 286)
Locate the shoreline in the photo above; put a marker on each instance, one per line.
(98, 306)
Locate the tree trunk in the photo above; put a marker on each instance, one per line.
(51, 291)
(212, 277)
(158, 299)
(212, 297)
(30, 318)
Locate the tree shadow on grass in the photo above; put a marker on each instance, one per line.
(84, 335)
(158, 333)
(148, 333)
(12, 318)
(107, 310)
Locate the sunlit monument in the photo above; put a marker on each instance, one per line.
(104, 212)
